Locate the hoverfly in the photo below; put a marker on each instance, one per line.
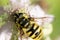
(27, 25)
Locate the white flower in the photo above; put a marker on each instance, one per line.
(48, 28)
(47, 38)
(34, 11)
(19, 3)
(5, 36)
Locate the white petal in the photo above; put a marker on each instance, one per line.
(47, 29)
(36, 11)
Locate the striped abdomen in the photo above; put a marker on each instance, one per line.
(29, 27)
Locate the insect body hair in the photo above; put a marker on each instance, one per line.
(29, 27)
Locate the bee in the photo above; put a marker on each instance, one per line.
(28, 26)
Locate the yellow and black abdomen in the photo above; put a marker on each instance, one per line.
(30, 28)
(34, 31)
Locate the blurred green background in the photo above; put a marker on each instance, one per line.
(54, 9)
